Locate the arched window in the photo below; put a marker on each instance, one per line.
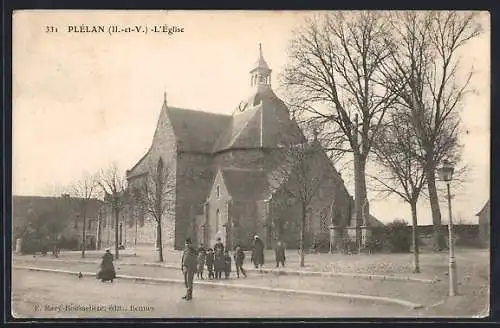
(217, 219)
(217, 192)
(159, 168)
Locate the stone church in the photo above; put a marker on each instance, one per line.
(231, 179)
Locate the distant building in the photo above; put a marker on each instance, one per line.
(65, 213)
(484, 225)
(224, 168)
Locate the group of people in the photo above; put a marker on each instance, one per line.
(217, 260)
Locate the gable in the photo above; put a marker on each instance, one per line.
(246, 184)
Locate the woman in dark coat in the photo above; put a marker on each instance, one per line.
(258, 252)
(219, 262)
(107, 272)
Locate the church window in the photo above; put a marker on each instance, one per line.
(217, 218)
(217, 192)
(89, 226)
(76, 223)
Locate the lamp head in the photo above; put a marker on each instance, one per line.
(446, 171)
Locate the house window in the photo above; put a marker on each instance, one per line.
(217, 192)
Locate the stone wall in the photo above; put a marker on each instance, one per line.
(195, 174)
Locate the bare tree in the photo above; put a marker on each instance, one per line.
(299, 175)
(82, 193)
(335, 76)
(424, 59)
(113, 186)
(156, 195)
(402, 172)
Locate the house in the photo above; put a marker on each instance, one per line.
(234, 175)
(61, 213)
(484, 224)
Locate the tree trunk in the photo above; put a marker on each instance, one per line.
(117, 247)
(438, 240)
(302, 235)
(159, 243)
(414, 237)
(359, 195)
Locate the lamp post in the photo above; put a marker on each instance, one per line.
(446, 174)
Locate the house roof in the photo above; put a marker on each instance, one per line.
(244, 184)
(485, 207)
(374, 222)
(22, 206)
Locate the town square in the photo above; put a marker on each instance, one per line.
(266, 164)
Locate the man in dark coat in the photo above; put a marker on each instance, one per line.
(258, 252)
(107, 272)
(280, 254)
(188, 265)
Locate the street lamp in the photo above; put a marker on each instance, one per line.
(446, 174)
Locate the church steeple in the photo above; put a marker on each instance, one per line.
(260, 73)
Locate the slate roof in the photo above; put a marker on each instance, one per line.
(265, 122)
(195, 130)
(22, 206)
(261, 62)
(374, 222)
(245, 184)
(485, 207)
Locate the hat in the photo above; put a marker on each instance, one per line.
(255, 237)
(108, 249)
(188, 240)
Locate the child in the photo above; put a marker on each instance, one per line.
(210, 263)
(201, 262)
(239, 256)
(227, 264)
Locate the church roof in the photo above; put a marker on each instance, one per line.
(197, 131)
(245, 184)
(265, 122)
(261, 62)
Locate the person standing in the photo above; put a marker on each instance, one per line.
(210, 263)
(227, 264)
(239, 257)
(258, 252)
(189, 263)
(280, 254)
(107, 272)
(201, 262)
(219, 265)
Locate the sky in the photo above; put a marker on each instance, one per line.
(84, 101)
